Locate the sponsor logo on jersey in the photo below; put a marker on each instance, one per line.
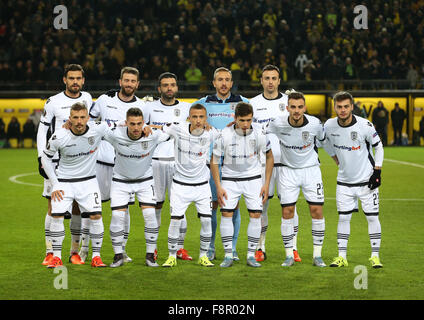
(112, 107)
(347, 148)
(70, 145)
(156, 110)
(296, 147)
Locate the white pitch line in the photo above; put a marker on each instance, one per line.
(405, 163)
(14, 179)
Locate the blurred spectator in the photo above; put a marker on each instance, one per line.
(2, 133)
(28, 131)
(193, 75)
(380, 119)
(398, 116)
(422, 127)
(14, 129)
(412, 76)
(358, 111)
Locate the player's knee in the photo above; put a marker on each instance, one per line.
(255, 215)
(345, 217)
(288, 212)
(227, 214)
(96, 216)
(316, 212)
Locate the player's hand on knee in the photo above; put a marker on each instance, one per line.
(375, 179)
(57, 195)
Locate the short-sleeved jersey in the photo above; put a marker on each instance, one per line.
(298, 145)
(160, 114)
(191, 152)
(78, 153)
(241, 152)
(220, 112)
(111, 110)
(353, 147)
(56, 112)
(133, 157)
(266, 109)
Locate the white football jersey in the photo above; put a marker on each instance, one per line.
(266, 109)
(78, 153)
(160, 114)
(241, 152)
(133, 157)
(353, 147)
(111, 110)
(56, 112)
(298, 144)
(191, 152)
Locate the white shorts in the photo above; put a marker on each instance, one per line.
(86, 193)
(163, 172)
(291, 180)
(47, 190)
(182, 195)
(249, 188)
(347, 199)
(272, 182)
(122, 193)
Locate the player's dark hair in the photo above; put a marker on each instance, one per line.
(197, 106)
(78, 106)
(296, 95)
(222, 69)
(167, 75)
(243, 109)
(270, 67)
(342, 95)
(134, 112)
(72, 67)
(130, 70)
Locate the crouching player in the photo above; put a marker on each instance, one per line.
(132, 174)
(75, 180)
(191, 180)
(241, 146)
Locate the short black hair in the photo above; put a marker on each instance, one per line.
(270, 67)
(198, 106)
(73, 67)
(134, 112)
(166, 75)
(342, 95)
(243, 109)
(296, 95)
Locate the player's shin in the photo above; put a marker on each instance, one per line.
(173, 235)
(96, 234)
(295, 228)
(236, 223)
(264, 226)
(116, 230)
(253, 234)
(47, 224)
(318, 230)
(287, 234)
(57, 234)
(85, 235)
(205, 235)
(151, 229)
(374, 230)
(227, 231)
(343, 233)
(183, 231)
(75, 226)
(127, 223)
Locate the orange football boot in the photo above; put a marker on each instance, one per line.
(97, 262)
(183, 255)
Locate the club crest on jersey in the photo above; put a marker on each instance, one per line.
(252, 143)
(233, 106)
(91, 141)
(305, 135)
(203, 141)
(354, 135)
(144, 145)
(282, 106)
(177, 112)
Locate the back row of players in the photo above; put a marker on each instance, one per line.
(270, 139)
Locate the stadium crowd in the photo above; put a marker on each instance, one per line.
(306, 40)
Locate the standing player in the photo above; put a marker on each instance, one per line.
(163, 111)
(55, 114)
(241, 145)
(220, 112)
(298, 134)
(349, 141)
(75, 180)
(190, 182)
(266, 106)
(132, 174)
(111, 108)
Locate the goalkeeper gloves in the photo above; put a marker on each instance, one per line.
(375, 179)
(41, 170)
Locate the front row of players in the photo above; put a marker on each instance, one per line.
(347, 139)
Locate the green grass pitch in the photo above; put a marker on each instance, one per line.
(401, 201)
